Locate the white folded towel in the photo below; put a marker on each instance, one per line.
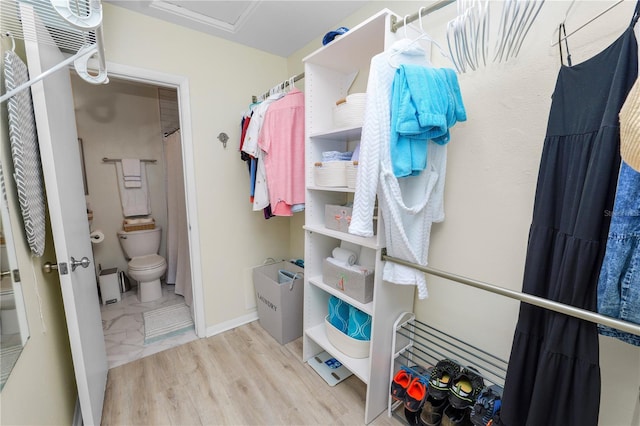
(131, 167)
(135, 199)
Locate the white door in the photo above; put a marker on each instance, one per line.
(55, 119)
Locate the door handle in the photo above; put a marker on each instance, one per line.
(49, 267)
(84, 262)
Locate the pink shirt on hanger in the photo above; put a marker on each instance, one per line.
(282, 140)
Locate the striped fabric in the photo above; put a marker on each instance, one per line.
(25, 154)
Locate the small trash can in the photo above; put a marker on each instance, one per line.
(279, 291)
(109, 286)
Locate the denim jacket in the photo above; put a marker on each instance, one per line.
(619, 283)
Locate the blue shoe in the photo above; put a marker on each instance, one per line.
(486, 408)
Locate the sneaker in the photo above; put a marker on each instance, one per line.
(433, 410)
(441, 378)
(400, 383)
(486, 408)
(456, 417)
(412, 417)
(416, 394)
(466, 388)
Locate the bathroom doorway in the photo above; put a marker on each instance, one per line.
(137, 119)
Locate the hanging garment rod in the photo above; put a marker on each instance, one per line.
(113, 160)
(555, 43)
(524, 297)
(282, 85)
(399, 23)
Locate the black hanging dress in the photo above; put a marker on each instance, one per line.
(553, 378)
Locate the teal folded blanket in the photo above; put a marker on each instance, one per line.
(339, 314)
(425, 104)
(359, 324)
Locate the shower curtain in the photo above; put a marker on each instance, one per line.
(178, 256)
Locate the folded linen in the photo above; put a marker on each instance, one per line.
(346, 256)
(130, 167)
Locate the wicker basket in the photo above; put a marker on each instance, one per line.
(128, 227)
(352, 174)
(331, 173)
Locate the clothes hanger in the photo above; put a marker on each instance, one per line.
(408, 44)
(561, 39)
(530, 24)
(426, 36)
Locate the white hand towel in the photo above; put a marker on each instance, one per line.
(135, 200)
(131, 167)
(344, 255)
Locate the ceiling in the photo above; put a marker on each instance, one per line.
(278, 27)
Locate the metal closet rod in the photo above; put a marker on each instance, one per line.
(113, 160)
(524, 297)
(284, 84)
(399, 23)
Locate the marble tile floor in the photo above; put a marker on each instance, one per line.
(124, 328)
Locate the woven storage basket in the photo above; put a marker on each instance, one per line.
(128, 227)
(349, 113)
(352, 174)
(331, 173)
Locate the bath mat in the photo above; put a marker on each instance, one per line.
(8, 357)
(166, 322)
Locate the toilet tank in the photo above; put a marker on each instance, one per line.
(140, 243)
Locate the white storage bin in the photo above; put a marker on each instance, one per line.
(330, 173)
(347, 345)
(350, 113)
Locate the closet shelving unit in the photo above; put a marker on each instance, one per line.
(415, 343)
(329, 72)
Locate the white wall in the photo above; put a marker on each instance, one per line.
(492, 168)
(119, 120)
(222, 77)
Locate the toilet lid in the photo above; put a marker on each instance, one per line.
(150, 261)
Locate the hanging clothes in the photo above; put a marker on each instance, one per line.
(250, 146)
(425, 103)
(553, 376)
(409, 205)
(619, 283)
(282, 141)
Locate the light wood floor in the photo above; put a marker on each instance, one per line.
(240, 377)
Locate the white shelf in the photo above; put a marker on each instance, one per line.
(369, 242)
(358, 366)
(331, 188)
(344, 134)
(364, 307)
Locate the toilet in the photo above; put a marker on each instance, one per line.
(146, 266)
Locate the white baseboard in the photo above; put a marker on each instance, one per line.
(231, 324)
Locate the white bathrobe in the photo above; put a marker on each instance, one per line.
(409, 205)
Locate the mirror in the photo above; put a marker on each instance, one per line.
(14, 330)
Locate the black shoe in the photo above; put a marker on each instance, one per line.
(432, 411)
(466, 388)
(441, 378)
(456, 417)
(486, 408)
(413, 417)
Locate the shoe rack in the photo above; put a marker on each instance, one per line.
(417, 343)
